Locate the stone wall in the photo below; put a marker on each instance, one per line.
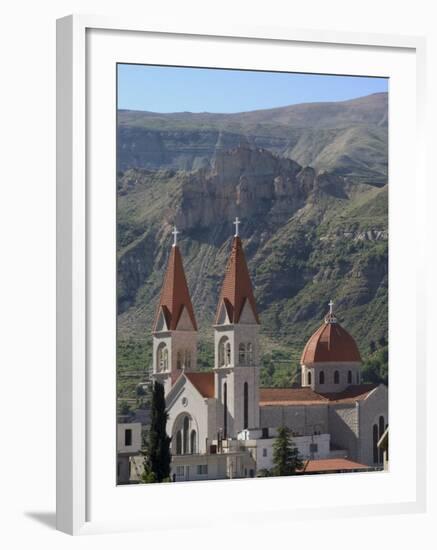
(301, 419)
(371, 408)
(344, 427)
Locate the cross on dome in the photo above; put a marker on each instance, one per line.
(175, 234)
(330, 318)
(236, 223)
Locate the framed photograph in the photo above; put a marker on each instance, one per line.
(240, 278)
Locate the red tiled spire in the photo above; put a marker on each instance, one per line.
(237, 286)
(174, 294)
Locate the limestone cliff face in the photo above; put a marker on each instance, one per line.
(251, 183)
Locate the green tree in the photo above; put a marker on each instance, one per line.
(157, 451)
(124, 408)
(286, 458)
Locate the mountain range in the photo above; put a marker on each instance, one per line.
(309, 183)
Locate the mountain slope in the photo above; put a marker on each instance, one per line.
(308, 238)
(347, 138)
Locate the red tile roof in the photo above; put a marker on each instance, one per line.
(332, 465)
(330, 342)
(237, 286)
(307, 396)
(174, 294)
(203, 382)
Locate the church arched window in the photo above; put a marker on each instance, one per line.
(246, 405)
(225, 410)
(179, 442)
(242, 354)
(186, 428)
(223, 351)
(349, 377)
(193, 442)
(187, 362)
(336, 377)
(321, 377)
(375, 443)
(309, 378)
(380, 432)
(249, 353)
(179, 360)
(358, 377)
(162, 357)
(228, 353)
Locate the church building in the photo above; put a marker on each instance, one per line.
(221, 423)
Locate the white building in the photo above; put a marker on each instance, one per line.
(128, 448)
(221, 423)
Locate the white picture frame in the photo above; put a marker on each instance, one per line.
(78, 309)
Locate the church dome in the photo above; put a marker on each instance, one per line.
(330, 343)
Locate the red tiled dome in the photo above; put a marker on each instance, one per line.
(331, 342)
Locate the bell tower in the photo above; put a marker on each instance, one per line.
(236, 347)
(175, 328)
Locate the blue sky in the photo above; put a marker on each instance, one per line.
(177, 89)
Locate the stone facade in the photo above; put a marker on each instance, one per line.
(372, 410)
(301, 419)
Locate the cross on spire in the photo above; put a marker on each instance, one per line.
(236, 223)
(175, 234)
(331, 304)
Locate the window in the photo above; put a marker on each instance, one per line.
(246, 406)
(265, 433)
(380, 432)
(309, 378)
(225, 410)
(162, 357)
(228, 353)
(336, 377)
(179, 471)
(249, 354)
(202, 469)
(187, 359)
(179, 442)
(358, 377)
(349, 377)
(185, 434)
(242, 354)
(224, 352)
(264, 452)
(314, 448)
(193, 442)
(128, 438)
(375, 444)
(179, 360)
(321, 377)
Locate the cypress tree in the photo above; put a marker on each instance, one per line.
(286, 458)
(158, 457)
